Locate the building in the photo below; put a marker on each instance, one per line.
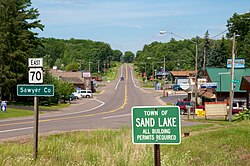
(75, 78)
(223, 79)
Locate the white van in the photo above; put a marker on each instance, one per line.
(86, 93)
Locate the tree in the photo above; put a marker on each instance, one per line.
(240, 24)
(72, 66)
(64, 89)
(117, 54)
(17, 18)
(128, 57)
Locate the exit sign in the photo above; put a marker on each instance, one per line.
(156, 125)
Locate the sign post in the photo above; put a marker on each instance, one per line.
(36, 117)
(156, 125)
(33, 89)
(35, 77)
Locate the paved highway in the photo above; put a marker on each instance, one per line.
(110, 109)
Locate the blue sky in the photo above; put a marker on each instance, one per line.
(128, 25)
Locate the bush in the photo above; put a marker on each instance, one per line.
(244, 115)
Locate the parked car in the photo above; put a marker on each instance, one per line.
(176, 87)
(184, 106)
(77, 94)
(72, 97)
(86, 93)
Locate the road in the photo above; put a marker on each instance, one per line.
(110, 109)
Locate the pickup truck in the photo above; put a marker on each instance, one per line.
(237, 107)
(184, 106)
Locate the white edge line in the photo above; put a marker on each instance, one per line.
(133, 78)
(109, 117)
(46, 116)
(119, 78)
(6, 131)
(102, 103)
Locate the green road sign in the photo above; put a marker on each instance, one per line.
(235, 81)
(35, 90)
(156, 125)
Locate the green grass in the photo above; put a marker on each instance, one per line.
(208, 144)
(55, 107)
(13, 112)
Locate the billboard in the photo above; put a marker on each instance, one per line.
(239, 63)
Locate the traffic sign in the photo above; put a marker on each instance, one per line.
(35, 90)
(36, 62)
(235, 81)
(156, 125)
(35, 75)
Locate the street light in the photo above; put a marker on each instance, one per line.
(196, 61)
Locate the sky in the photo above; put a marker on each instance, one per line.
(128, 25)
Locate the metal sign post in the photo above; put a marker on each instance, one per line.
(36, 117)
(35, 77)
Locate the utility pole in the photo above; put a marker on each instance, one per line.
(164, 80)
(80, 61)
(231, 97)
(196, 72)
(98, 66)
(204, 60)
(89, 66)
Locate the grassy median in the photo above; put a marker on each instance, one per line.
(208, 144)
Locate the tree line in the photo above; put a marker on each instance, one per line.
(180, 55)
(18, 42)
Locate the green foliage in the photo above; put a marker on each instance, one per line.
(240, 24)
(244, 115)
(17, 18)
(72, 66)
(77, 54)
(64, 88)
(128, 57)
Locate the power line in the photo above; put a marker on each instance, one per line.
(219, 34)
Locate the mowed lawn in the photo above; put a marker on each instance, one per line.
(13, 112)
(212, 143)
(16, 112)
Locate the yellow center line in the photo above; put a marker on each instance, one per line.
(79, 116)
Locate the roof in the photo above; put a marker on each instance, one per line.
(60, 73)
(73, 80)
(207, 94)
(245, 83)
(222, 77)
(185, 73)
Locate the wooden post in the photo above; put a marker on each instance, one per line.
(157, 155)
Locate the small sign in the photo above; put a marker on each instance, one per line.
(35, 62)
(199, 112)
(235, 81)
(184, 86)
(156, 125)
(35, 75)
(35, 90)
(86, 74)
(209, 85)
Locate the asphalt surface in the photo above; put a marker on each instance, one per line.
(107, 110)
